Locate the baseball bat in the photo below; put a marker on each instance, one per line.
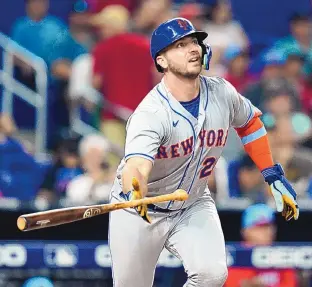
(49, 218)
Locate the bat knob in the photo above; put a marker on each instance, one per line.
(21, 223)
(181, 195)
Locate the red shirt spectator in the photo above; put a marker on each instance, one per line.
(240, 83)
(124, 63)
(306, 98)
(237, 60)
(268, 278)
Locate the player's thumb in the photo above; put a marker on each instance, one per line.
(278, 198)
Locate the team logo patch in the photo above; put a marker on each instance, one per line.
(183, 24)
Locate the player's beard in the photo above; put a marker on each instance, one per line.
(180, 72)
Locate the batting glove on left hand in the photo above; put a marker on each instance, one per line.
(282, 191)
(135, 193)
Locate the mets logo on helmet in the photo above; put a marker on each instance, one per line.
(183, 24)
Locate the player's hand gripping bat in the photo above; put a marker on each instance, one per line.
(60, 216)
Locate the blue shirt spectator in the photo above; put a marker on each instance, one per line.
(299, 42)
(19, 173)
(46, 36)
(66, 167)
(245, 180)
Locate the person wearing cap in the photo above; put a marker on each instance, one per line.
(174, 139)
(38, 281)
(258, 225)
(272, 83)
(237, 59)
(258, 228)
(299, 40)
(122, 69)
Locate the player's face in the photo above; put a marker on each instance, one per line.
(184, 58)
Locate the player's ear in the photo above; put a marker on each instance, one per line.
(162, 61)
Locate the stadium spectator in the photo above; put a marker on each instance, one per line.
(79, 24)
(86, 101)
(47, 37)
(245, 180)
(257, 225)
(122, 85)
(258, 229)
(195, 13)
(300, 40)
(285, 133)
(20, 174)
(293, 69)
(234, 68)
(145, 19)
(273, 86)
(62, 171)
(222, 31)
(95, 184)
(293, 72)
(237, 61)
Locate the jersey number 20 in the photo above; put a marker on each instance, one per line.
(208, 165)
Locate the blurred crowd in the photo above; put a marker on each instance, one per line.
(100, 64)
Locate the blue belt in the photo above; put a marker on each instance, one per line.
(152, 207)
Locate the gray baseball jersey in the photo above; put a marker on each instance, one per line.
(183, 149)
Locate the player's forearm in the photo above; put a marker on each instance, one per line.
(256, 143)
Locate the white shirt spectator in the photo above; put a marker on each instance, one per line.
(83, 191)
(80, 82)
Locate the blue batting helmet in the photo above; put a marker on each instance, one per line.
(173, 30)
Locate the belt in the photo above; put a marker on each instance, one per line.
(152, 207)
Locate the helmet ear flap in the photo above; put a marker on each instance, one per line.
(207, 54)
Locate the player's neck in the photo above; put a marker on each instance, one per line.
(182, 89)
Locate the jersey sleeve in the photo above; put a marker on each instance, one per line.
(145, 132)
(242, 110)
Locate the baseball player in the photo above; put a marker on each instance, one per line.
(174, 139)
